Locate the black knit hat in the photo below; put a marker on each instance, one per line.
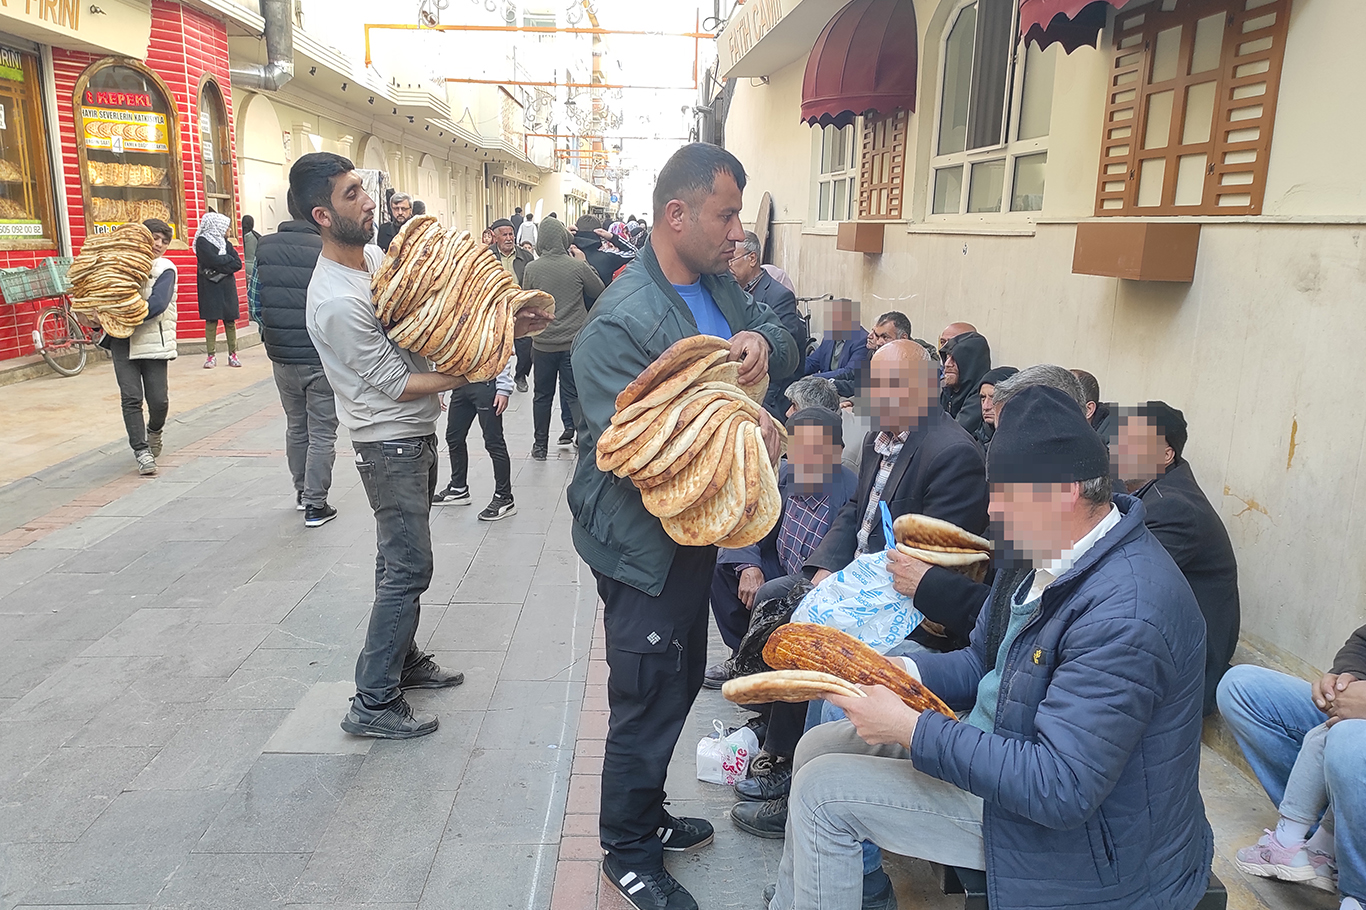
(819, 417)
(1170, 423)
(1043, 437)
(500, 223)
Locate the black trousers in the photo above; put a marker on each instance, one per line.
(467, 402)
(551, 366)
(523, 348)
(140, 380)
(656, 657)
(732, 616)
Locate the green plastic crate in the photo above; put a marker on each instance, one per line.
(46, 279)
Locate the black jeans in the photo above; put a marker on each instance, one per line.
(467, 402)
(732, 616)
(549, 366)
(523, 348)
(399, 477)
(140, 380)
(656, 657)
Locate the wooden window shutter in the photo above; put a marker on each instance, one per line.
(882, 167)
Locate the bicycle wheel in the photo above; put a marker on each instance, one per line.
(59, 340)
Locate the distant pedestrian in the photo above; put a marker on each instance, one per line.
(140, 360)
(514, 258)
(575, 285)
(419, 207)
(400, 209)
(277, 298)
(527, 232)
(250, 238)
(487, 401)
(588, 238)
(516, 220)
(217, 263)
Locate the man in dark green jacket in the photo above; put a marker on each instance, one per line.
(655, 593)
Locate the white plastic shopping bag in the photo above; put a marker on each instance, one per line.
(723, 759)
(860, 600)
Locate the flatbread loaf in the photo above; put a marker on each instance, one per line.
(786, 685)
(676, 357)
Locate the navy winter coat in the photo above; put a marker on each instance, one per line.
(1090, 782)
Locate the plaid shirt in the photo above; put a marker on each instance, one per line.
(805, 521)
(889, 448)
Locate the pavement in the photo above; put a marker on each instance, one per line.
(180, 649)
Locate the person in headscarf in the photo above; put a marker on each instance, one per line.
(967, 358)
(986, 390)
(217, 264)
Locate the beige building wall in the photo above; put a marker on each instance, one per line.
(1256, 350)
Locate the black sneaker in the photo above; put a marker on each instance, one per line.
(397, 722)
(539, 452)
(655, 890)
(680, 834)
(452, 497)
(317, 516)
(761, 819)
(566, 439)
(299, 501)
(763, 787)
(498, 509)
(521, 383)
(426, 674)
(718, 674)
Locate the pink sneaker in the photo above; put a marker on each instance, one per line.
(210, 362)
(1325, 871)
(233, 361)
(1269, 858)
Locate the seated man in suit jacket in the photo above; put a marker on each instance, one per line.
(756, 280)
(843, 355)
(814, 484)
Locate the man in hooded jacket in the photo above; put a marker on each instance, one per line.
(574, 284)
(967, 358)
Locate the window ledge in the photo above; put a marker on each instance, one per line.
(981, 230)
(821, 229)
(1210, 219)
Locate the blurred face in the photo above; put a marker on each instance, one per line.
(159, 244)
(841, 317)
(813, 456)
(350, 218)
(506, 238)
(745, 266)
(950, 371)
(987, 395)
(1140, 453)
(901, 389)
(487, 238)
(882, 333)
(1035, 519)
(401, 211)
(708, 227)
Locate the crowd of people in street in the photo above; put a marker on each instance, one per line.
(1081, 666)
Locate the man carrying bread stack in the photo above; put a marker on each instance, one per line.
(655, 592)
(1074, 779)
(387, 397)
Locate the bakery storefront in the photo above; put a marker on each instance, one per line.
(96, 131)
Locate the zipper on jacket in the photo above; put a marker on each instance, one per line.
(678, 665)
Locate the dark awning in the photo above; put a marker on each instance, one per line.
(864, 61)
(1071, 23)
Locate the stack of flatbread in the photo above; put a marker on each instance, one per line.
(942, 543)
(108, 275)
(687, 435)
(443, 295)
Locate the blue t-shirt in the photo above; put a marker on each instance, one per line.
(704, 309)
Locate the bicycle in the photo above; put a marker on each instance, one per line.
(59, 335)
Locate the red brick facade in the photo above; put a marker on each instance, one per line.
(185, 46)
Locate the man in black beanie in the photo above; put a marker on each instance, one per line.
(1080, 755)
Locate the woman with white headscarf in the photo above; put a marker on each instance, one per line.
(217, 286)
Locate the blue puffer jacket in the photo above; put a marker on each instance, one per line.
(1090, 782)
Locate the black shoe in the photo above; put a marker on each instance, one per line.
(877, 891)
(452, 496)
(427, 675)
(498, 509)
(764, 787)
(760, 728)
(680, 834)
(540, 451)
(317, 516)
(521, 383)
(397, 722)
(655, 890)
(566, 439)
(299, 501)
(718, 674)
(761, 819)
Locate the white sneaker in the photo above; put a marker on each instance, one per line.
(147, 465)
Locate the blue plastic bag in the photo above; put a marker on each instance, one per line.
(860, 600)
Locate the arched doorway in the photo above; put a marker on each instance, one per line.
(215, 151)
(261, 163)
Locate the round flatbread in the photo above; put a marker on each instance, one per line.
(947, 560)
(770, 503)
(706, 522)
(670, 387)
(690, 440)
(699, 411)
(788, 686)
(926, 532)
(676, 357)
(687, 487)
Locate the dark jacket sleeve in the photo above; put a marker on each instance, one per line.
(162, 292)
(813, 360)
(592, 283)
(783, 356)
(784, 303)
(1170, 522)
(1352, 657)
(951, 599)
(854, 355)
(956, 487)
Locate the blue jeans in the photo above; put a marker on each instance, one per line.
(1269, 714)
(399, 477)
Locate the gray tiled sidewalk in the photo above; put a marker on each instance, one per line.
(176, 665)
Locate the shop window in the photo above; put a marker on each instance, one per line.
(836, 172)
(128, 148)
(995, 104)
(26, 199)
(215, 152)
(882, 167)
(1191, 100)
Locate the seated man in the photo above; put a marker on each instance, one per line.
(813, 484)
(844, 353)
(1102, 417)
(1080, 758)
(1274, 718)
(1147, 457)
(986, 395)
(967, 359)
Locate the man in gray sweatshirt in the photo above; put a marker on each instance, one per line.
(561, 271)
(387, 399)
